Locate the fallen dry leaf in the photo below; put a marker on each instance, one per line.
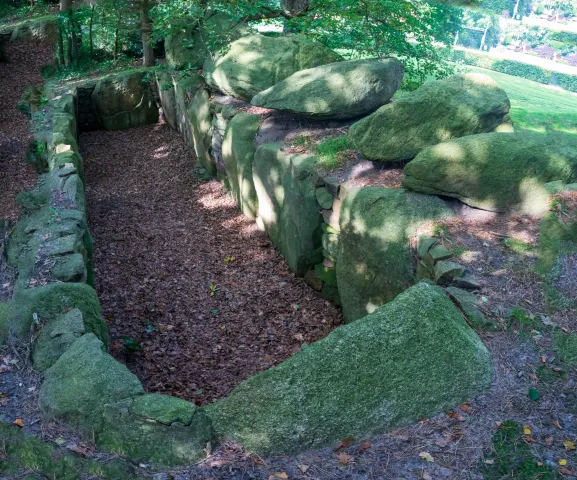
(345, 458)
(526, 430)
(218, 463)
(18, 422)
(562, 462)
(365, 445)
(466, 408)
(279, 476)
(565, 471)
(426, 456)
(303, 468)
(82, 449)
(557, 424)
(549, 441)
(426, 476)
(345, 443)
(570, 446)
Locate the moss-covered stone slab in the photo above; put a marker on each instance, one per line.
(376, 261)
(42, 29)
(408, 360)
(255, 62)
(470, 305)
(324, 198)
(71, 268)
(425, 243)
(167, 94)
(186, 84)
(124, 100)
(496, 171)
(128, 434)
(56, 336)
(201, 122)
(238, 149)
(339, 90)
(438, 111)
(331, 244)
(82, 381)
(50, 301)
(163, 409)
(6, 310)
(287, 205)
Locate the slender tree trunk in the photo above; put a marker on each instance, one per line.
(91, 28)
(148, 59)
(65, 13)
(117, 33)
(60, 43)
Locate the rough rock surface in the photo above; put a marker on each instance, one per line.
(201, 122)
(238, 149)
(123, 101)
(339, 90)
(256, 62)
(375, 262)
(362, 379)
(496, 171)
(438, 111)
(287, 205)
(83, 380)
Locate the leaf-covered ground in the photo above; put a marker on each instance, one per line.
(196, 298)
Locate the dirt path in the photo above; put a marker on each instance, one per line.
(161, 238)
(23, 70)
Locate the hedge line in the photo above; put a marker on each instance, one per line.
(517, 69)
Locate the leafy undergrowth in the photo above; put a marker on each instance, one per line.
(332, 152)
(25, 456)
(511, 456)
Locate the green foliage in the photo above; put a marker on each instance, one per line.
(519, 319)
(566, 347)
(517, 246)
(131, 345)
(333, 152)
(15, 9)
(512, 458)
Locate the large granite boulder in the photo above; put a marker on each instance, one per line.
(190, 45)
(410, 359)
(238, 149)
(83, 380)
(336, 91)
(375, 261)
(43, 29)
(496, 171)
(155, 428)
(438, 111)
(287, 205)
(256, 62)
(166, 93)
(124, 100)
(200, 117)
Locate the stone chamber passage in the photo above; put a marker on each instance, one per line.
(196, 298)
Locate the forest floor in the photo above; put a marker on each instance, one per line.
(195, 296)
(163, 236)
(15, 174)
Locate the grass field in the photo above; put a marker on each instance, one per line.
(537, 107)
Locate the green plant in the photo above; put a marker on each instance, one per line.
(228, 260)
(511, 457)
(131, 345)
(332, 153)
(519, 319)
(148, 326)
(440, 230)
(213, 289)
(517, 246)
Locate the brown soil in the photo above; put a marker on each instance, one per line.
(161, 238)
(15, 174)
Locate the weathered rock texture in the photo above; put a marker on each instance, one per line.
(255, 63)
(339, 90)
(201, 122)
(238, 150)
(287, 205)
(410, 359)
(438, 111)
(124, 101)
(496, 171)
(375, 261)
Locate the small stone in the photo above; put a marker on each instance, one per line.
(439, 252)
(328, 263)
(469, 304)
(424, 272)
(446, 271)
(313, 281)
(324, 198)
(425, 244)
(466, 281)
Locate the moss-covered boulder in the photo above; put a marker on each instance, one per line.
(50, 301)
(376, 262)
(339, 90)
(201, 121)
(256, 62)
(124, 100)
(56, 336)
(186, 84)
(191, 45)
(287, 205)
(238, 149)
(408, 360)
(155, 428)
(166, 92)
(82, 381)
(496, 171)
(6, 309)
(42, 29)
(438, 111)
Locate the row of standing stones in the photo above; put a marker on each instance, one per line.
(407, 350)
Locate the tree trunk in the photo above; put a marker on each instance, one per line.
(117, 33)
(146, 30)
(90, 29)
